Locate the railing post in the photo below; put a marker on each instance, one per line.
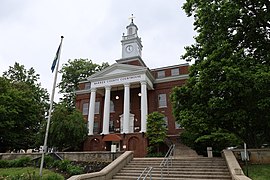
(165, 162)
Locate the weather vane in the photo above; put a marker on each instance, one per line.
(132, 17)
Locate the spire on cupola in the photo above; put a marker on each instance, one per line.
(132, 28)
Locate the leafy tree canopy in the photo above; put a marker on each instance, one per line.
(72, 73)
(229, 86)
(67, 129)
(156, 131)
(22, 108)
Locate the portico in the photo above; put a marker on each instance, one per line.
(120, 76)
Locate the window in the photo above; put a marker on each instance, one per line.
(85, 108)
(130, 31)
(166, 121)
(97, 105)
(87, 85)
(162, 100)
(111, 126)
(111, 106)
(160, 74)
(96, 128)
(177, 125)
(175, 72)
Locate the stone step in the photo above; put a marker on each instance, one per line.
(178, 173)
(167, 178)
(179, 164)
(199, 168)
(181, 160)
(140, 169)
(175, 176)
(176, 159)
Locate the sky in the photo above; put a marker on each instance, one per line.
(30, 32)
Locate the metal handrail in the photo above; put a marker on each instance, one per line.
(149, 172)
(167, 159)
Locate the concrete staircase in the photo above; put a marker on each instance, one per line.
(182, 150)
(188, 168)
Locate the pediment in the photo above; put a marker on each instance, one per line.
(117, 69)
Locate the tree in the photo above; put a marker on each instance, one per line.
(22, 108)
(228, 88)
(156, 131)
(67, 130)
(72, 73)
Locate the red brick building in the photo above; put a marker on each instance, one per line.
(115, 101)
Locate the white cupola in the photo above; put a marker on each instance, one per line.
(131, 43)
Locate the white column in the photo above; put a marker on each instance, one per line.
(126, 108)
(144, 107)
(91, 112)
(106, 114)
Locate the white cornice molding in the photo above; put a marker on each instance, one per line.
(171, 78)
(170, 67)
(83, 91)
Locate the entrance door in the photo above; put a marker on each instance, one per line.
(131, 123)
(117, 144)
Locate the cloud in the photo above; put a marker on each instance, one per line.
(31, 30)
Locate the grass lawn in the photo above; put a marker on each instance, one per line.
(23, 172)
(258, 172)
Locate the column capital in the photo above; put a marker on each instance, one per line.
(93, 89)
(108, 87)
(127, 84)
(143, 82)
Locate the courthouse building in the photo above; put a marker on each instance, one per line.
(115, 102)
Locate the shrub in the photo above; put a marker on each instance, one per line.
(63, 165)
(4, 163)
(56, 163)
(22, 162)
(49, 161)
(74, 170)
(53, 177)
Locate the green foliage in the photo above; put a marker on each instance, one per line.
(4, 163)
(189, 139)
(151, 153)
(74, 170)
(156, 131)
(62, 165)
(257, 171)
(53, 177)
(21, 162)
(23, 104)
(67, 129)
(28, 173)
(49, 161)
(228, 88)
(72, 73)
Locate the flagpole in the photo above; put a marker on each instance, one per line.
(44, 149)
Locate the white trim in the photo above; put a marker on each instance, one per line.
(116, 66)
(171, 78)
(83, 91)
(170, 67)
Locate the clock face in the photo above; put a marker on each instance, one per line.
(129, 48)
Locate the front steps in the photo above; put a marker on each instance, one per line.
(198, 168)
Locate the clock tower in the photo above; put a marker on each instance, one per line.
(131, 43)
